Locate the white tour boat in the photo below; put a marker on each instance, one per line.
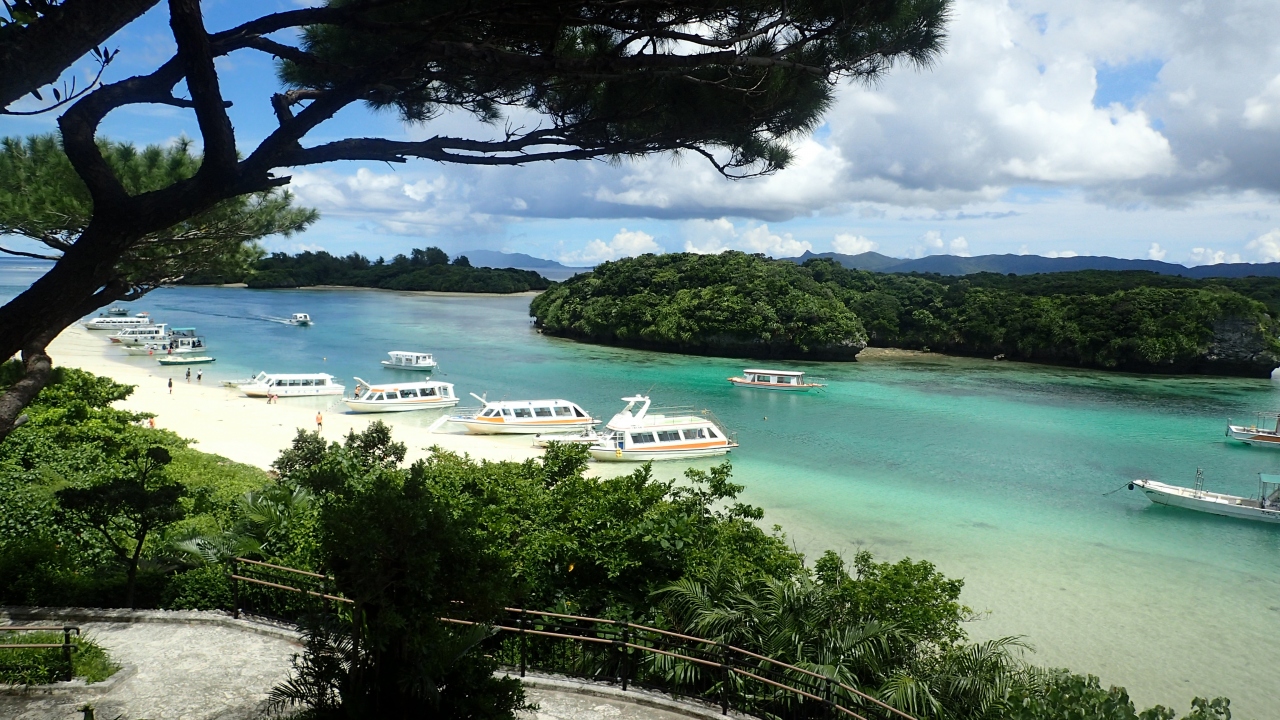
(635, 435)
(583, 437)
(524, 417)
(292, 385)
(400, 397)
(774, 380)
(158, 332)
(104, 322)
(117, 310)
(300, 319)
(1265, 507)
(259, 378)
(174, 345)
(1260, 433)
(406, 360)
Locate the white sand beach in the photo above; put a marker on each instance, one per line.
(224, 421)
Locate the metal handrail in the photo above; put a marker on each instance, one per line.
(66, 645)
(522, 621)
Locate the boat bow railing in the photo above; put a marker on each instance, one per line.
(617, 652)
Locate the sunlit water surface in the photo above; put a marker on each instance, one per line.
(995, 472)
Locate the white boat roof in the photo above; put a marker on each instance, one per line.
(294, 376)
(792, 373)
(529, 403)
(381, 387)
(407, 353)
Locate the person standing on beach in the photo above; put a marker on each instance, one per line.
(188, 374)
(170, 386)
(200, 376)
(319, 422)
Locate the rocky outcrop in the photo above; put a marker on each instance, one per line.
(1239, 346)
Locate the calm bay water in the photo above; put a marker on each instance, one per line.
(996, 472)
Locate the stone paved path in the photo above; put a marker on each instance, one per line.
(182, 672)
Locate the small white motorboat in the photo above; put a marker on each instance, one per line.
(585, 437)
(524, 417)
(103, 322)
(401, 397)
(635, 435)
(406, 360)
(774, 380)
(299, 319)
(141, 335)
(259, 378)
(1264, 432)
(185, 360)
(175, 345)
(1265, 507)
(117, 310)
(292, 385)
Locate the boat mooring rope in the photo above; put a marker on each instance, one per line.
(1122, 487)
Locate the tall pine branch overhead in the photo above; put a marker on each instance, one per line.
(733, 82)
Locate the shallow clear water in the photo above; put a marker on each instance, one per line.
(996, 472)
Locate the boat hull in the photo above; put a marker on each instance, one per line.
(1206, 502)
(182, 360)
(479, 427)
(421, 368)
(1256, 437)
(361, 406)
(611, 454)
(261, 392)
(773, 386)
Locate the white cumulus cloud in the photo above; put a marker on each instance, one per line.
(1266, 246)
(959, 246)
(1155, 252)
(1061, 253)
(627, 243)
(1209, 256)
(850, 244)
(716, 236)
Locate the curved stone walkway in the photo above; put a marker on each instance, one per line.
(206, 666)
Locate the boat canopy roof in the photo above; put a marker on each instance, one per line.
(293, 376)
(408, 353)
(792, 373)
(383, 387)
(527, 403)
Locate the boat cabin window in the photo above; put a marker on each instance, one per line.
(308, 383)
(712, 433)
(489, 413)
(408, 393)
(523, 412)
(640, 438)
(786, 380)
(321, 381)
(694, 434)
(542, 412)
(563, 412)
(506, 411)
(428, 392)
(668, 435)
(376, 396)
(578, 412)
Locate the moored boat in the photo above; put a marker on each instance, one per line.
(260, 377)
(185, 360)
(1265, 507)
(104, 322)
(400, 397)
(583, 437)
(1260, 433)
(158, 332)
(673, 434)
(117, 310)
(524, 417)
(792, 380)
(292, 385)
(174, 345)
(406, 360)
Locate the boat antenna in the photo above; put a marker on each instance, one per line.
(481, 398)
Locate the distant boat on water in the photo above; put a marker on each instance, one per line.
(406, 360)
(523, 417)
(300, 319)
(633, 434)
(1264, 432)
(1265, 507)
(791, 380)
(116, 323)
(117, 310)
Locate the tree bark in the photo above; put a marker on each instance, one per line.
(35, 55)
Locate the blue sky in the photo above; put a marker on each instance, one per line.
(1134, 129)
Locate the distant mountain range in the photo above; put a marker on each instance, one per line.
(549, 269)
(1029, 264)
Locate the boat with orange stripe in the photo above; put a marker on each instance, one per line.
(792, 380)
(401, 397)
(1260, 433)
(524, 417)
(668, 434)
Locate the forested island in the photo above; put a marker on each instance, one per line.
(741, 305)
(421, 269)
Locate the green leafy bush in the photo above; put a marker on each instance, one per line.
(203, 588)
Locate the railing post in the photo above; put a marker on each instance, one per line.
(235, 588)
(828, 696)
(66, 651)
(625, 666)
(725, 675)
(524, 641)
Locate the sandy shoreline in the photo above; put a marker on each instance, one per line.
(225, 422)
(428, 293)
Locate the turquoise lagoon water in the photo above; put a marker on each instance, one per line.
(996, 472)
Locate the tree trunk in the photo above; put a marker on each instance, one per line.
(132, 573)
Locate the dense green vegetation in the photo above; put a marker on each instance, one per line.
(449, 536)
(746, 305)
(44, 666)
(427, 269)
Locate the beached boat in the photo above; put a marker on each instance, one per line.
(1264, 432)
(174, 345)
(523, 417)
(590, 436)
(259, 378)
(299, 319)
(117, 310)
(158, 332)
(401, 397)
(292, 385)
(185, 360)
(104, 322)
(406, 360)
(774, 380)
(672, 434)
(1265, 507)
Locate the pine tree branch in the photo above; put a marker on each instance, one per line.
(196, 54)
